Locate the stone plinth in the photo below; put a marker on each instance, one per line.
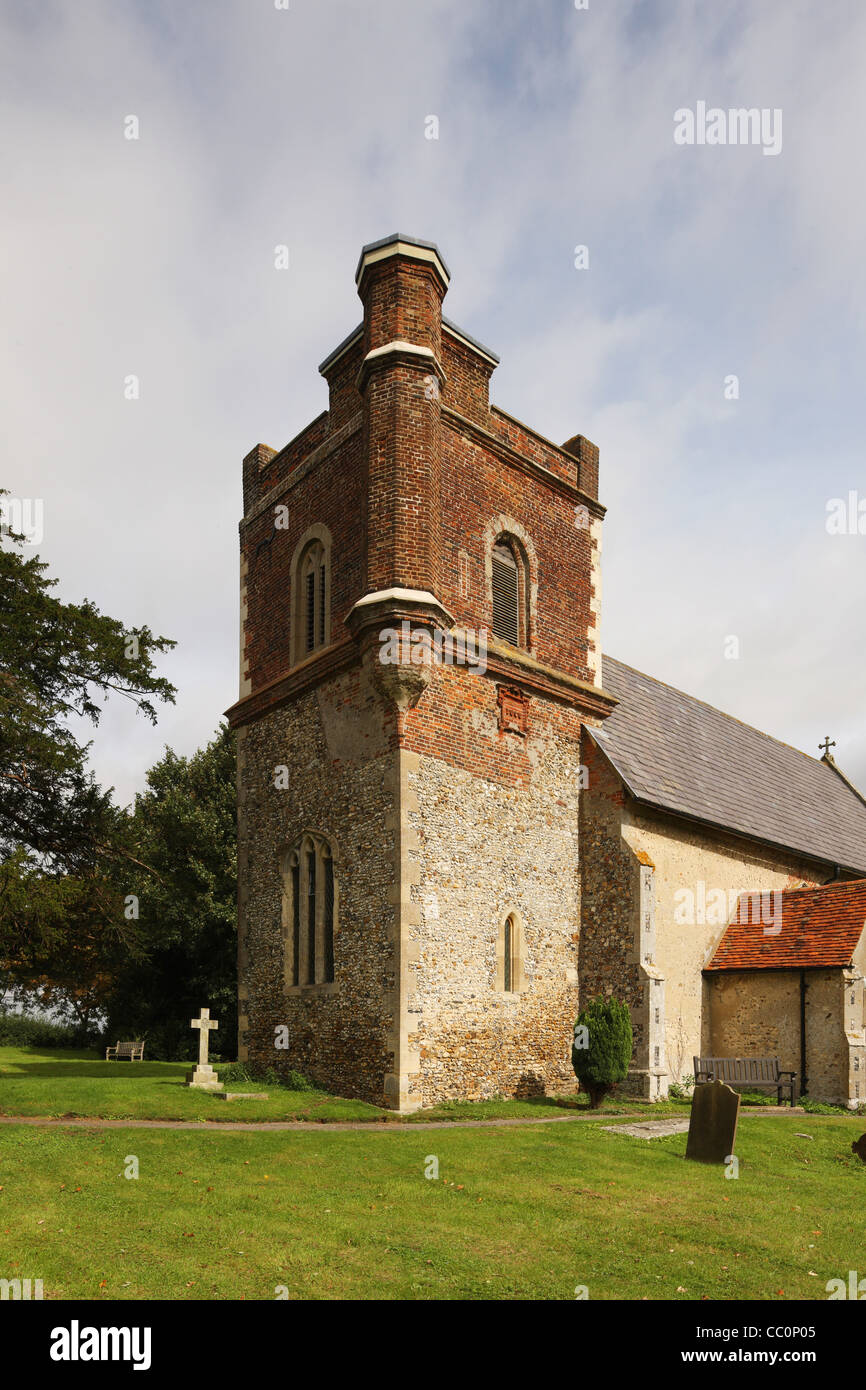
(204, 1078)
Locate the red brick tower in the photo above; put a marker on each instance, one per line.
(420, 595)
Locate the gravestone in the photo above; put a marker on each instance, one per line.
(713, 1122)
(203, 1077)
(859, 1147)
(649, 1129)
(242, 1095)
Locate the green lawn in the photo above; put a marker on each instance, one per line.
(66, 1084)
(515, 1213)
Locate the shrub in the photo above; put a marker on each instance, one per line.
(234, 1073)
(20, 1030)
(817, 1107)
(682, 1089)
(291, 1080)
(296, 1081)
(602, 1046)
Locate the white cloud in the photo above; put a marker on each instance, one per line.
(306, 127)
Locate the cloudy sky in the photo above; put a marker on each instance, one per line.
(306, 127)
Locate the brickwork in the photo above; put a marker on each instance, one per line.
(466, 388)
(329, 494)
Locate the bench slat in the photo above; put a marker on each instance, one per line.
(747, 1071)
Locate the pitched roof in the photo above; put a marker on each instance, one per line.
(805, 928)
(681, 755)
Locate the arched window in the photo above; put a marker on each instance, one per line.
(309, 912)
(313, 593)
(509, 593)
(311, 585)
(509, 955)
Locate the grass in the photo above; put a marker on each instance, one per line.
(526, 1213)
(83, 1084)
(514, 1213)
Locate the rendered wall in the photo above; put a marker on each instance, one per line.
(626, 948)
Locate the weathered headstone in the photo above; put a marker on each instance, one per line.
(859, 1147)
(713, 1122)
(203, 1077)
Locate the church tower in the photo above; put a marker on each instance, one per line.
(420, 600)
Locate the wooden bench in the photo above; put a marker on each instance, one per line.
(133, 1050)
(752, 1073)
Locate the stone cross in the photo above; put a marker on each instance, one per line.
(827, 745)
(204, 1023)
(203, 1077)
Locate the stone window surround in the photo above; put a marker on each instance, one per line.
(324, 849)
(518, 955)
(314, 535)
(505, 529)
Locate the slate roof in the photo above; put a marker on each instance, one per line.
(805, 928)
(681, 755)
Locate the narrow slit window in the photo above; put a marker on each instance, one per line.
(296, 924)
(508, 957)
(311, 598)
(311, 917)
(329, 919)
(311, 611)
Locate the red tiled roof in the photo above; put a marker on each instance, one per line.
(804, 928)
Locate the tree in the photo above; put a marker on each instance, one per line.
(55, 659)
(62, 925)
(104, 912)
(63, 937)
(185, 830)
(601, 1050)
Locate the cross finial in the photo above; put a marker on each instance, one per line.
(827, 745)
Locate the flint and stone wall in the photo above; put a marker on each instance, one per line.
(430, 859)
(341, 761)
(483, 846)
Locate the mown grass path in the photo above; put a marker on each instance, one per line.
(393, 1123)
(263, 1126)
